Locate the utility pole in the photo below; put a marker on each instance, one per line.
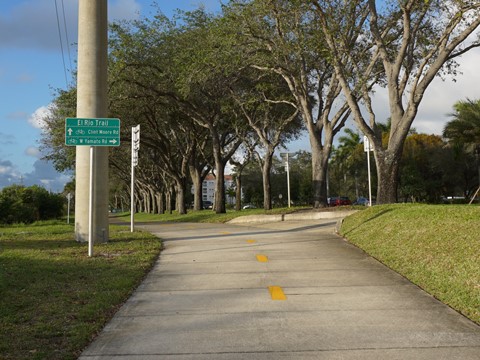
(92, 103)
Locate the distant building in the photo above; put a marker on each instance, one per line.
(208, 189)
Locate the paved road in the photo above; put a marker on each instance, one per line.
(283, 290)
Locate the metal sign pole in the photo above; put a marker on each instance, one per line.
(132, 191)
(368, 147)
(135, 148)
(69, 198)
(90, 205)
(288, 181)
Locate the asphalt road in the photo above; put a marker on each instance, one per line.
(281, 290)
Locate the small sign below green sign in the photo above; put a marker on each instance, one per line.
(92, 132)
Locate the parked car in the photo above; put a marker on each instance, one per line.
(339, 201)
(207, 204)
(361, 201)
(249, 206)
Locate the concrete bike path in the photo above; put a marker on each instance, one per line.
(283, 290)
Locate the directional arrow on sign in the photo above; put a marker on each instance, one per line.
(114, 141)
(70, 131)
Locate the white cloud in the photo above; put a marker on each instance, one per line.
(36, 119)
(7, 139)
(32, 24)
(33, 151)
(124, 10)
(24, 78)
(442, 95)
(17, 115)
(45, 174)
(6, 167)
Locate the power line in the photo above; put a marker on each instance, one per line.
(61, 44)
(66, 36)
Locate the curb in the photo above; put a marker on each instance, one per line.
(292, 217)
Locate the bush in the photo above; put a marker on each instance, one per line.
(20, 204)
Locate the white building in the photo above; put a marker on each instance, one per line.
(208, 189)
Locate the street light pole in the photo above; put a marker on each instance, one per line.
(91, 103)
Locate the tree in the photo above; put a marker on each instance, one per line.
(463, 132)
(52, 141)
(20, 204)
(348, 170)
(410, 43)
(423, 169)
(282, 38)
(265, 103)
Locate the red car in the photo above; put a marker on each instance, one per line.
(339, 201)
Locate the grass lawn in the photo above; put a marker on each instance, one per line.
(436, 247)
(204, 215)
(53, 297)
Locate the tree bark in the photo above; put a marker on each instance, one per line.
(220, 207)
(238, 192)
(388, 165)
(319, 176)
(180, 198)
(267, 187)
(197, 187)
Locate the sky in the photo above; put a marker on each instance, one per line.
(32, 67)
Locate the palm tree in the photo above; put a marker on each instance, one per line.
(464, 130)
(465, 126)
(346, 155)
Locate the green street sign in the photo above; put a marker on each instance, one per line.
(92, 132)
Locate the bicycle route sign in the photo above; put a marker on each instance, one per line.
(92, 132)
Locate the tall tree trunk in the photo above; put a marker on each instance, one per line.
(160, 202)
(168, 201)
(220, 207)
(267, 188)
(319, 173)
(180, 198)
(151, 194)
(238, 192)
(197, 188)
(388, 165)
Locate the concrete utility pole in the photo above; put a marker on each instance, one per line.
(92, 103)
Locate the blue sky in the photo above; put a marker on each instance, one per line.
(31, 66)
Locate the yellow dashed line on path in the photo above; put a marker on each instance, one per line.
(251, 241)
(262, 258)
(225, 233)
(277, 293)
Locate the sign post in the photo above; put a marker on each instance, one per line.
(367, 147)
(287, 169)
(69, 198)
(135, 148)
(91, 132)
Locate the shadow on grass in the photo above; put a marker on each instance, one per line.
(368, 219)
(54, 300)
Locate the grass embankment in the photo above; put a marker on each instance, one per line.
(205, 216)
(436, 247)
(53, 297)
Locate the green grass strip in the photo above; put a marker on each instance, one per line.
(53, 297)
(436, 247)
(204, 216)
